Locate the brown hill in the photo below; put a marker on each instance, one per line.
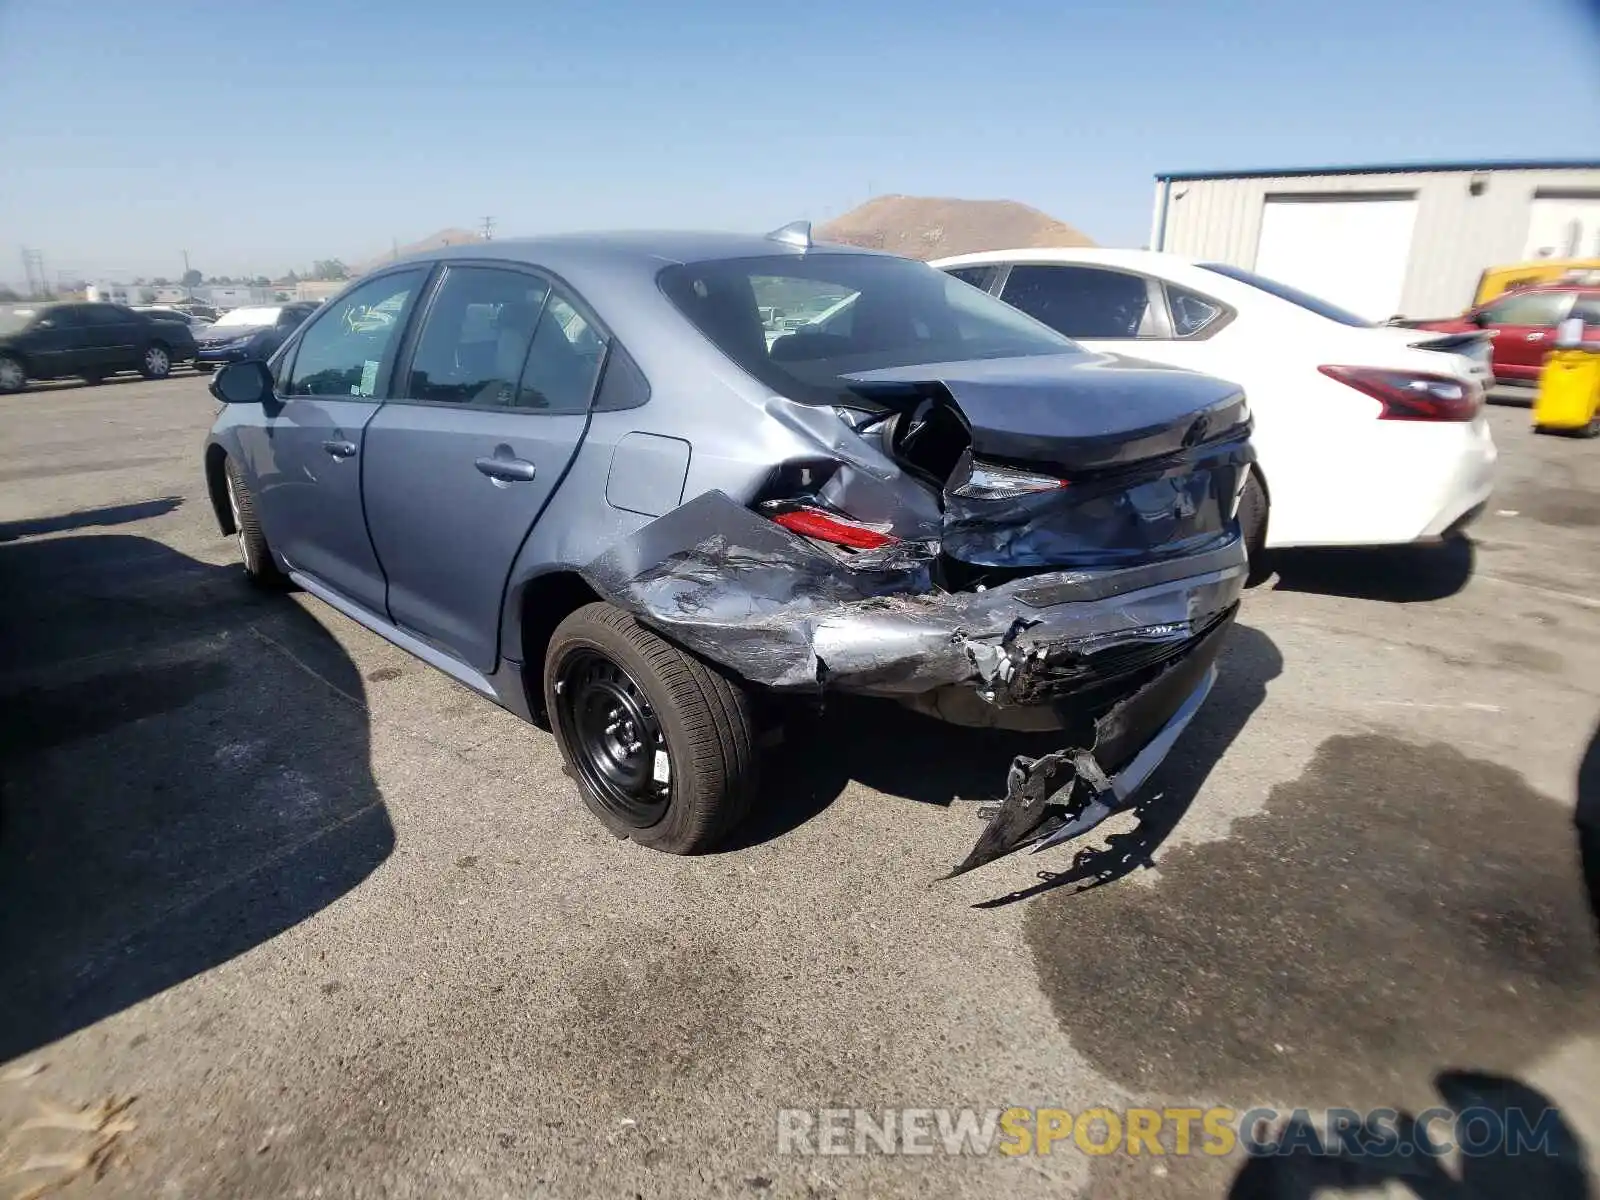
(445, 237)
(932, 226)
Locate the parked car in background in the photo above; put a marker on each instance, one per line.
(249, 333)
(571, 474)
(1497, 280)
(167, 312)
(1328, 389)
(1523, 324)
(90, 341)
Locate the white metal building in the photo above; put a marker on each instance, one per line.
(1381, 241)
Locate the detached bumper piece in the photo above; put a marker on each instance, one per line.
(1065, 794)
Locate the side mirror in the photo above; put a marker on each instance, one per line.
(45, 323)
(242, 383)
(1479, 318)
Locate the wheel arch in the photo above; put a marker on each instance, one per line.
(539, 605)
(22, 357)
(217, 486)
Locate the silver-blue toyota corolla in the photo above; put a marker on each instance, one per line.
(647, 487)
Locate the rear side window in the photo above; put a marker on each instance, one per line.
(349, 347)
(564, 361)
(103, 314)
(1588, 307)
(1529, 308)
(1192, 313)
(981, 277)
(1082, 302)
(476, 337)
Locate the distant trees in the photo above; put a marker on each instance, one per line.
(329, 270)
(7, 295)
(192, 278)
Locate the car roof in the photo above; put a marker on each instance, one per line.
(649, 249)
(1152, 261)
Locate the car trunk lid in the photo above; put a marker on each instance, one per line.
(1048, 462)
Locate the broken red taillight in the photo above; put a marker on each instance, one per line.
(1411, 395)
(832, 528)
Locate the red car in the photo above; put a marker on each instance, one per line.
(1524, 325)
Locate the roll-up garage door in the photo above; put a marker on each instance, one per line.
(1352, 250)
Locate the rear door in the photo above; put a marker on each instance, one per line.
(493, 403)
(1524, 326)
(306, 455)
(109, 337)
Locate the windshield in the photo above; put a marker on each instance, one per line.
(1292, 294)
(250, 316)
(799, 323)
(15, 320)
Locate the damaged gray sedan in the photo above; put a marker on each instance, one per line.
(629, 487)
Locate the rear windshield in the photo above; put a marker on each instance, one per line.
(1293, 295)
(798, 323)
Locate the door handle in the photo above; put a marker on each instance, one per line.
(339, 448)
(1536, 337)
(507, 470)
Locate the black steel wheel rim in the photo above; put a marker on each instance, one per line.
(614, 736)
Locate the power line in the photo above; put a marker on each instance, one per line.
(486, 229)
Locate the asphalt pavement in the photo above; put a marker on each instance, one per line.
(284, 912)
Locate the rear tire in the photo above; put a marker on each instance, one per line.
(13, 376)
(1253, 525)
(627, 707)
(259, 564)
(155, 361)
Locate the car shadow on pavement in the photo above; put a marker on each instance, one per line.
(1397, 574)
(901, 753)
(184, 774)
(84, 518)
(1524, 1147)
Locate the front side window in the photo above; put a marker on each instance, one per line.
(1082, 302)
(66, 316)
(1529, 308)
(1588, 308)
(880, 312)
(476, 338)
(345, 351)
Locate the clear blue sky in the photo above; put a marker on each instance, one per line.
(263, 136)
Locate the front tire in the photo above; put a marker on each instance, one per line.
(155, 361)
(1253, 525)
(662, 745)
(259, 564)
(13, 376)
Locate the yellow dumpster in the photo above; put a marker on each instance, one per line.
(1568, 400)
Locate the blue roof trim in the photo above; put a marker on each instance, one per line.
(1547, 164)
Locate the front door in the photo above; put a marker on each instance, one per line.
(464, 458)
(1524, 330)
(306, 456)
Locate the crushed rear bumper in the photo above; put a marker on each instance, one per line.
(1119, 659)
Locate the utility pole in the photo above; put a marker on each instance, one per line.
(487, 229)
(185, 262)
(33, 268)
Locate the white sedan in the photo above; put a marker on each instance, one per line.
(1365, 434)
